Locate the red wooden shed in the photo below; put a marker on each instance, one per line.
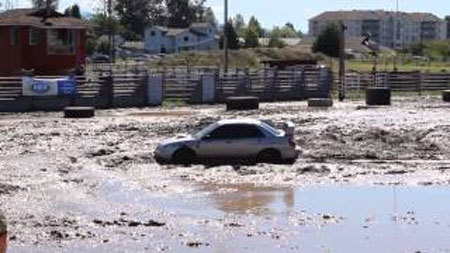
(46, 41)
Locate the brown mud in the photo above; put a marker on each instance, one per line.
(93, 185)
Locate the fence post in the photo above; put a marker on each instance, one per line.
(419, 83)
(208, 89)
(144, 89)
(273, 86)
(155, 89)
(298, 88)
(109, 90)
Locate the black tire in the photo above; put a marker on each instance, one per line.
(184, 156)
(242, 103)
(446, 95)
(79, 112)
(269, 156)
(378, 96)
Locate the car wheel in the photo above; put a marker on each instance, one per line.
(184, 156)
(269, 156)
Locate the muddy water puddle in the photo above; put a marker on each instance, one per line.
(306, 219)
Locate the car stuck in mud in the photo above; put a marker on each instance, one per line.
(232, 139)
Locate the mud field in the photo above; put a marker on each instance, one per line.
(366, 176)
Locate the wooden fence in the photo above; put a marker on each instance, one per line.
(132, 89)
(398, 81)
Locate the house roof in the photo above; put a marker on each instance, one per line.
(200, 25)
(175, 31)
(423, 17)
(36, 18)
(372, 15)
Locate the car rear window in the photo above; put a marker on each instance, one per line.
(270, 129)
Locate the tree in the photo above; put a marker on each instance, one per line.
(233, 41)
(101, 24)
(209, 17)
(288, 31)
(73, 11)
(328, 41)
(239, 24)
(253, 23)
(182, 13)
(289, 25)
(42, 4)
(251, 38)
(133, 15)
(275, 38)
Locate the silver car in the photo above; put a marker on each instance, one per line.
(239, 138)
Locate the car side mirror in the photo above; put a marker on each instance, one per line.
(206, 137)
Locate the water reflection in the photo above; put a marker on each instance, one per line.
(386, 219)
(248, 198)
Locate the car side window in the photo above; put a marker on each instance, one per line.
(250, 131)
(236, 132)
(223, 132)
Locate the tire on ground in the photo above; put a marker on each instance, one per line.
(79, 112)
(184, 156)
(269, 156)
(446, 95)
(320, 102)
(242, 103)
(378, 96)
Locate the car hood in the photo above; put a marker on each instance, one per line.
(179, 139)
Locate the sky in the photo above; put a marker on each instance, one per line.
(278, 12)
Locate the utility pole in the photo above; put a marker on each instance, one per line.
(342, 29)
(396, 33)
(111, 35)
(225, 37)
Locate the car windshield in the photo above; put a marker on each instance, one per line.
(204, 131)
(270, 129)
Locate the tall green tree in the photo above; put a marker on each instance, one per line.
(251, 38)
(209, 17)
(233, 41)
(73, 11)
(253, 23)
(328, 41)
(101, 24)
(275, 38)
(239, 24)
(182, 13)
(42, 4)
(288, 31)
(134, 16)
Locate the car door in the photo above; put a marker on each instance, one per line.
(239, 140)
(248, 140)
(218, 143)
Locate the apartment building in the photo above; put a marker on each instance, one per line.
(391, 29)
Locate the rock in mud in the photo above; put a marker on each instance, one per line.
(8, 189)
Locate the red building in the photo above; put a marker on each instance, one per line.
(47, 42)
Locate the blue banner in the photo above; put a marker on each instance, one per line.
(67, 87)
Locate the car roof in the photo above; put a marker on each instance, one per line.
(239, 121)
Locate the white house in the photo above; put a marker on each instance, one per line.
(199, 36)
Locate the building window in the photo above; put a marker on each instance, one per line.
(34, 36)
(60, 41)
(14, 35)
(153, 33)
(186, 39)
